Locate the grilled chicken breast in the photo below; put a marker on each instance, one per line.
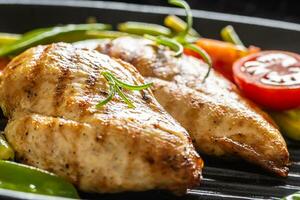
(220, 121)
(49, 93)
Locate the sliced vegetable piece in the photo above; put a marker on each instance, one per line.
(289, 122)
(229, 35)
(178, 25)
(48, 35)
(188, 13)
(270, 78)
(6, 152)
(7, 38)
(140, 28)
(24, 178)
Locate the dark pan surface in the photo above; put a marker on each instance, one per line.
(222, 179)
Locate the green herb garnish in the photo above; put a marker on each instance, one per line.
(203, 55)
(115, 86)
(183, 37)
(189, 16)
(169, 42)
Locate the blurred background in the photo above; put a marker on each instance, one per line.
(286, 10)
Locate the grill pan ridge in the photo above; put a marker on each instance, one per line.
(222, 179)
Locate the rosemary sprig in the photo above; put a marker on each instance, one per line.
(115, 86)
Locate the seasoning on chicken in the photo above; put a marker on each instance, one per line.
(220, 121)
(50, 93)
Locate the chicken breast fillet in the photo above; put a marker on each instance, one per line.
(220, 121)
(49, 93)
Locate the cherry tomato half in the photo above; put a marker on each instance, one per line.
(270, 78)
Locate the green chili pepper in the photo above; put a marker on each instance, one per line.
(7, 38)
(140, 28)
(228, 34)
(24, 178)
(6, 152)
(48, 35)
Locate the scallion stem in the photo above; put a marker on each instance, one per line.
(171, 43)
(203, 55)
(188, 12)
(228, 34)
(178, 25)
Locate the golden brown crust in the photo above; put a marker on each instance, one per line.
(218, 118)
(50, 94)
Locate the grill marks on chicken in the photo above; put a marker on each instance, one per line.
(49, 93)
(220, 121)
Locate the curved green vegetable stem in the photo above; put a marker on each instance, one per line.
(188, 12)
(6, 152)
(48, 35)
(171, 43)
(114, 87)
(228, 34)
(203, 55)
(140, 28)
(24, 178)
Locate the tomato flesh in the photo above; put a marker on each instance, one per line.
(270, 78)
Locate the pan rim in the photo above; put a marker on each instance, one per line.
(153, 9)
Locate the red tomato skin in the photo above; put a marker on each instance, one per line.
(271, 97)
